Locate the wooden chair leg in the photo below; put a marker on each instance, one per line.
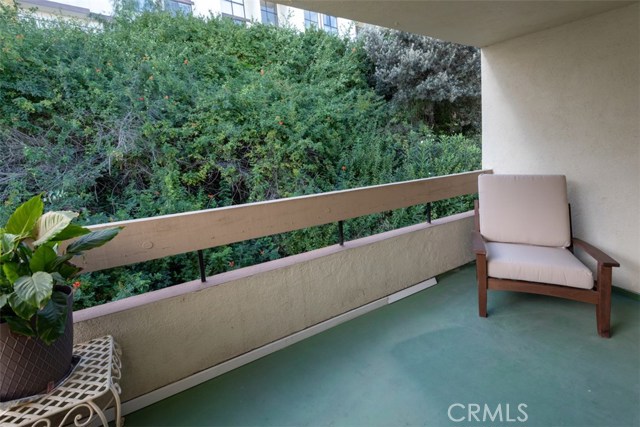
(603, 308)
(481, 271)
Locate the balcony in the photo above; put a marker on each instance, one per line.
(312, 340)
(408, 362)
(250, 308)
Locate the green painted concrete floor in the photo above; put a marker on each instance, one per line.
(413, 362)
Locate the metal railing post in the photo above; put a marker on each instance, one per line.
(341, 233)
(203, 275)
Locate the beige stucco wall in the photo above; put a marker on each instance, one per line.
(170, 334)
(566, 100)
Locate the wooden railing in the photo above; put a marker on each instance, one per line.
(158, 237)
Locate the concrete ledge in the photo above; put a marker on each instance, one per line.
(173, 333)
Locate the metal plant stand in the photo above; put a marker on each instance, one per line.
(82, 397)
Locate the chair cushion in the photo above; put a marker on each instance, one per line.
(527, 209)
(541, 264)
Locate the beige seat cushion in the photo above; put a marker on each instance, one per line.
(557, 266)
(527, 209)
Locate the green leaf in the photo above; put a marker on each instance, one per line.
(51, 224)
(57, 278)
(92, 240)
(7, 244)
(21, 326)
(69, 270)
(35, 289)
(42, 259)
(52, 319)
(4, 299)
(70, 232)
(10, 270)
(24, 251)
(21, 222)
(22, 308)
(5, 285)
(59, 261)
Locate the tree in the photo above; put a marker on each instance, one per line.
(155, 113)
(432, 80)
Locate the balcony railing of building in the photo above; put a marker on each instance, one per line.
(162, 236)
(200, 330)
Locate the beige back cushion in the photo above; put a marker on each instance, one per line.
(526, 209)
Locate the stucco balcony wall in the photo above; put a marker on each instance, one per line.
(171, 334)
(566, 100)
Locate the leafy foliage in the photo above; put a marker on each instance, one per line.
(30, 266)
(153, 114)
(430, 79)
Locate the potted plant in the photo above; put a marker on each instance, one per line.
(36, 326)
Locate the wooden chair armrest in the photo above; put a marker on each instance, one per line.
(477, 243)
(596, 253)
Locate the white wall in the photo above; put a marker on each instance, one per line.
(566, 100)
(102, 7)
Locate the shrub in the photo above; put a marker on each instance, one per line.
(153, 114)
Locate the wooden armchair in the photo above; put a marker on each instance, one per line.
(523, 243)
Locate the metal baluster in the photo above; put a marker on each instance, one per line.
(203, 275)
(341, 233)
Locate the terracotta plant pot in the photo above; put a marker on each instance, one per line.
(28, 366)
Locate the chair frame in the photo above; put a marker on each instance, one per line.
(600, 295)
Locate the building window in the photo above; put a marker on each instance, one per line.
(359, 27)
(330, 24)
(178, 6)
(269, 12)
(310, 19)
(173, 6)
(234, 9)
(142, 5)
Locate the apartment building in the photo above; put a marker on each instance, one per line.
(241, 11)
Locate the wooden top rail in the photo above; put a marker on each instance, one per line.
(158, 237)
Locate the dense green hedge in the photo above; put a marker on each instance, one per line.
(156, 114)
